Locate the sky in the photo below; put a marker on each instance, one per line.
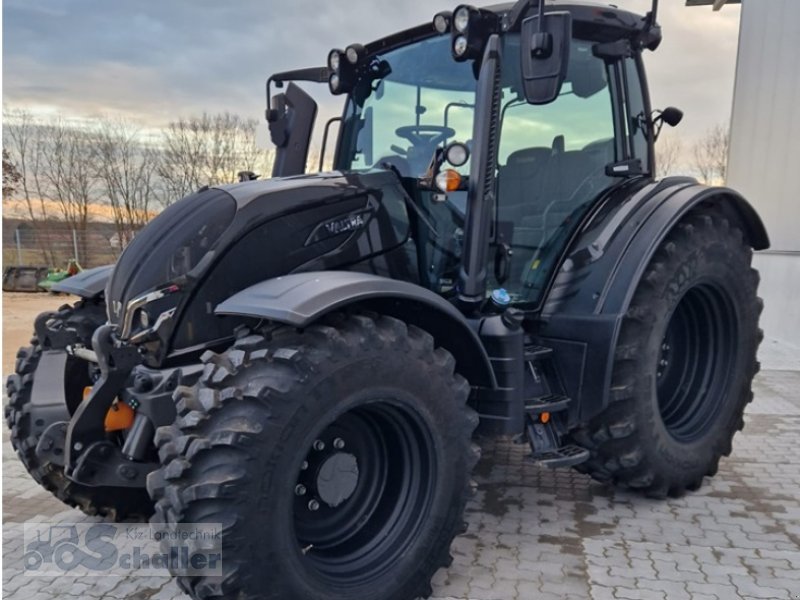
(153, 61)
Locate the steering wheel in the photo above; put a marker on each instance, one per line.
(425, 135)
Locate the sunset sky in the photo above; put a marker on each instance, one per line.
(152, 61)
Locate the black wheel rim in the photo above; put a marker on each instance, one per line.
(352, 530)
(696, 361)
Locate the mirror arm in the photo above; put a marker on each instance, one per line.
(313, 75)
(325, 135)
(514, 16)
(658, 124)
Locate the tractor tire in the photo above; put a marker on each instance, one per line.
(684, 362)
(337, 460)
(117, 504)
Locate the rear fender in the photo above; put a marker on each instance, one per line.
(301, 299)
(583, 312)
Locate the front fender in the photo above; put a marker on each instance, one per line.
(88, 284)
(301, 299)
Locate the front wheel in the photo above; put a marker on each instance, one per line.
(337, 460)
(684, 363)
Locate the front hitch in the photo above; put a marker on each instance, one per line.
(90, 457)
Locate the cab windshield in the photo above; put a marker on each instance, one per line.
(426, 100)
(551, 159)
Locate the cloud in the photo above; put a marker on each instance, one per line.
(157, 60)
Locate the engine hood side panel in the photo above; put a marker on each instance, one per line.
(278, 226)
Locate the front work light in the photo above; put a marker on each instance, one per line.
(460, 46)
(335, 84)
(342, 72)
(441, 22)
(471, 28)
(355, 53)
(461, 18)
(335, 60)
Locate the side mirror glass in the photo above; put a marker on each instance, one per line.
(545, 55)
(671, 116)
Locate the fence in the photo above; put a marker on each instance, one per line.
(53, 244)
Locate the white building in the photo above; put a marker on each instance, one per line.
(764, 160)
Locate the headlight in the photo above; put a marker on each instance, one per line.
(460, 46)
(461, 19)
(457, 154)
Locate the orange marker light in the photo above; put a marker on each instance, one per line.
(87, 391)
(448, 180)
(545, 417)
(119, 417)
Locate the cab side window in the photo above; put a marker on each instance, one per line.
(552, 164)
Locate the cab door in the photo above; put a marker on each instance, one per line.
(553, 164)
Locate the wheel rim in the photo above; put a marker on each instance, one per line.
(696, 360)
(363, 492)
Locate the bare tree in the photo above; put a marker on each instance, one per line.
(22, 137)
(711, 155)
(209, 150)
(669, 155)
(11, 176)
(181, 158)
(127, 173)
(68, 170)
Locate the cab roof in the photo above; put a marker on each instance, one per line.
(591, 20)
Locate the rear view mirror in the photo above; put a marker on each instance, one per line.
(545, 55)
(671, 116)
(291, 122)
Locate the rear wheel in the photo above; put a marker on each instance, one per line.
(684, 363)
(27, 428)
(337, 460)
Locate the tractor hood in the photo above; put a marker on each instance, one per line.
(170, 258)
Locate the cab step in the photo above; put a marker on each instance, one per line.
(566, 456)
(536, 353)
(547, 449)
(552, 403)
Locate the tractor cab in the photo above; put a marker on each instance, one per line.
(508, 122)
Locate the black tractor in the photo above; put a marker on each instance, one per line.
(309, 360)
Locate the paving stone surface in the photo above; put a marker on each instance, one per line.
(540, 534)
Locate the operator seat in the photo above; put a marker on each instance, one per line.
(523, 197)
(573, 178)
(517, 180)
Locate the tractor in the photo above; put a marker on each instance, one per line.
(312, 360)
